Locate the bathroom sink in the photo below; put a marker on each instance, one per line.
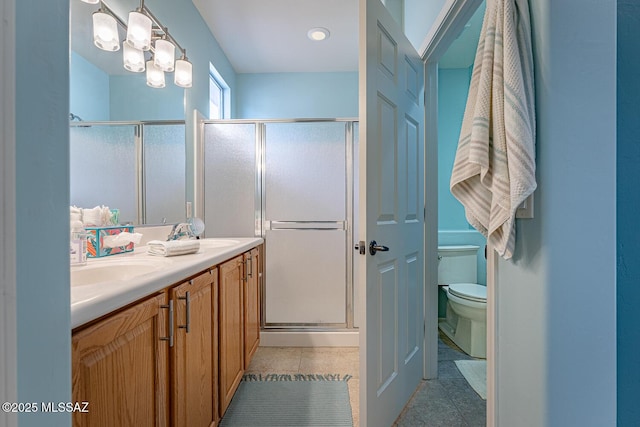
(110, 271)
(217, 243)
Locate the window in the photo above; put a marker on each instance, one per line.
(218, 95)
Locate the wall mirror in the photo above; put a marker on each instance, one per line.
(127, 140)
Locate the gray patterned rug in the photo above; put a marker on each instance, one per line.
(283, 400)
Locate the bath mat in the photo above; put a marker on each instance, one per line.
(295, 400)
(475, 372)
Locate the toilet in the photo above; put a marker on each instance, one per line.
(466, 314)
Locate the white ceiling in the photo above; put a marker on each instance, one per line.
(270, 36)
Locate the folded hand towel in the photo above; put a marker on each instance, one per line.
(173, 247)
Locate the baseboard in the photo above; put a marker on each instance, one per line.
(309, 338)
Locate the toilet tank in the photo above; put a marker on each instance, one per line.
(457, 264)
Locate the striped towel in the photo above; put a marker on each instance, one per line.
(173, 247)
(494, 169)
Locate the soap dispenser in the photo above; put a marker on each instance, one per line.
(78, 246)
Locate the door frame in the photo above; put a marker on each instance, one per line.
(449, 24)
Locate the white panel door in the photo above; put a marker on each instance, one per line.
(392, 213)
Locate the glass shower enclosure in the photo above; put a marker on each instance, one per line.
(290, 182)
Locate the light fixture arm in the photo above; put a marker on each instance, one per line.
(159, 26)
(106, 9)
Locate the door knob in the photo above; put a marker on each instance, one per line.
(375, 247)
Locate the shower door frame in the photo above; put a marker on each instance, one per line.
(260, 209)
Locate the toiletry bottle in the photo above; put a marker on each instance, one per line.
(78, 246)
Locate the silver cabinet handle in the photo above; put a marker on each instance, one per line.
(250, 274)
(375, 247)
(188, 311)
(246, 270)
(170, 337)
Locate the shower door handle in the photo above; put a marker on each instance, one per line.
(375, 247)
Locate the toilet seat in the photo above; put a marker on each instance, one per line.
(469, 291)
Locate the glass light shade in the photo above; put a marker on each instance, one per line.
(105, 32)
(183, 76)
(164, 55)
(133, 58)
(155, 76)
(139, 30)
(91, 1)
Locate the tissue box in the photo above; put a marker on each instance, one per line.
(95, 240)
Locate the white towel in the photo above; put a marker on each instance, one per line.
(173, 247)
(96, 217)
(494, 169)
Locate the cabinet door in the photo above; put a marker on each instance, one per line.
(231, 330)
(251, 305)
(120, 366)
(195, 353)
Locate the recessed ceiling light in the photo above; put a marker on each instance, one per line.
(318, 34)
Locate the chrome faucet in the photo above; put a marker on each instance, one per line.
(179, 231)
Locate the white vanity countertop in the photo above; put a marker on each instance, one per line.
(90, 301)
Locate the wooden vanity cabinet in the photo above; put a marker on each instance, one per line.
(120, 366)
(194, 355)
(175, 358)
(231, 329)
(252, 282)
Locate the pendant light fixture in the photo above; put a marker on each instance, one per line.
(105, 31)
(139, 30)
(133, 58)
(183, 75)
(164, 56)
(144, 32)
(155, 76)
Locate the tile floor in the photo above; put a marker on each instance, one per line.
(448, 401)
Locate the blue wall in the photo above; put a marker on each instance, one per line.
(628, 206)
(132, 99)
(453, 228)
(42, 206)
(556, 299)
(453, 88)
(96, 96)
(89, 90)
(297, 95)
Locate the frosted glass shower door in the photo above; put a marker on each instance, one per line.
(164, 167)
(305, 200)
(102, 168)
(231, 200)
